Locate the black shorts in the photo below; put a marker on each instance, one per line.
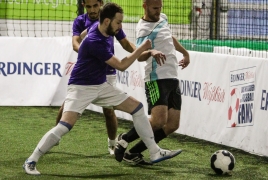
(163, 92)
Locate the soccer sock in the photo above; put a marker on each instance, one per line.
(49, 140)
(144, 129)
(111, 142)
(131, 135)
(140, 146)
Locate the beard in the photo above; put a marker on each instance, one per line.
(153, 17)
(110, 31)
(93, 16)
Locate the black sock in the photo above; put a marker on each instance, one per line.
(140, 146)
(131, 135)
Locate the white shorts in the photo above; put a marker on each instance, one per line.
(111, 79)
(104, 95)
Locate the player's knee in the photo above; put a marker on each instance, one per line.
(157, 122)
(173, 129)
(64, 126)
(170, 128)
(109, 113)
(138, 110)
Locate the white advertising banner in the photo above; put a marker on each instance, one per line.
(225, 101)
(33, 70)
(224, 97)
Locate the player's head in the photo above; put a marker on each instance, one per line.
(111, 16)
(93, 8)
(152, 9)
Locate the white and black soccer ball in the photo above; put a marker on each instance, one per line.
(222, 162)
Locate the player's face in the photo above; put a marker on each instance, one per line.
(115, 25)
(153, 9)
(92, 8)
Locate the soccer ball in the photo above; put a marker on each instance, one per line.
(222, 162)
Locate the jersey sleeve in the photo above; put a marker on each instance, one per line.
(164, 16)
(120, 35)
(77, 28)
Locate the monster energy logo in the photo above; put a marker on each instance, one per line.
(154, 91)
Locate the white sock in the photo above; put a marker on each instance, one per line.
(111, 142)
(144, 130)
(48, 141)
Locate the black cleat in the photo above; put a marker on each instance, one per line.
(135, 159)
(120, 148)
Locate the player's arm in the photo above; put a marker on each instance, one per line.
(127, 61)
(179, 47)
(127, 45)
(76, 40)
(158, 55)
(83, 34)
(76, 31)
(186, 57)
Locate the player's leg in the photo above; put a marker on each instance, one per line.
(78, 98)
(58, 118)
(157, 98)
(49, 140)
(157, 121)
(111, 119)
(173, 122)
(174, 109)
(111, 126)
(157, 102)
(110, 96)
(141, 124)
(159, 134)
(163, 121)
(144, 130)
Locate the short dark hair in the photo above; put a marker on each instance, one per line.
(109, 10)
(97, 0)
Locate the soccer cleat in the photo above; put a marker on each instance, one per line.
(120, 148)
(111, 150)
(30, 168)
(135, 158)
(164, 154)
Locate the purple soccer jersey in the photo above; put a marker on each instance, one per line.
(83, 22)
(90, 68)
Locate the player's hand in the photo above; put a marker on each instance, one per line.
(184, 62)
(159, 56)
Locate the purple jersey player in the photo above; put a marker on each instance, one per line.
(83, 22)
(80, 26)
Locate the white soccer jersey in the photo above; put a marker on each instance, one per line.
(161, 37)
